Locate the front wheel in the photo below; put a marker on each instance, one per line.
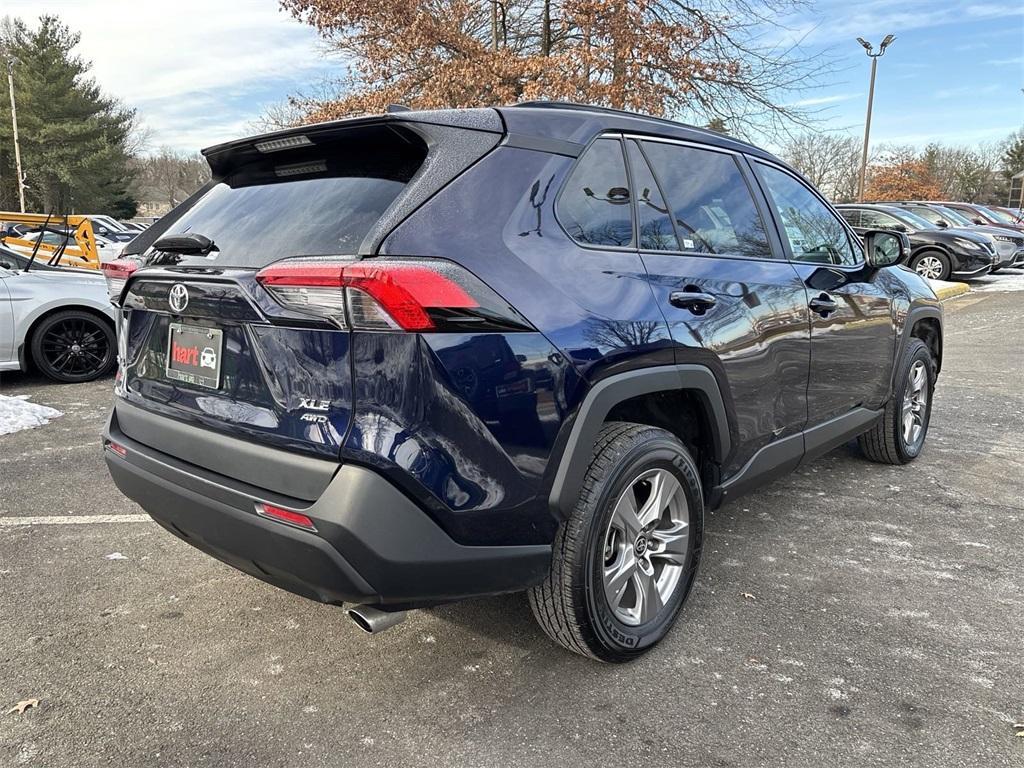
(74, 346)
(898, 437)
(932, 265)
(624, 560)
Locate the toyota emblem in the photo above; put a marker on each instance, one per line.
(178, 297)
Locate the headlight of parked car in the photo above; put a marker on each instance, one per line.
(968, 245)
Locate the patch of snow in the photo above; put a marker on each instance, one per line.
(17, 413)
(1003, 280)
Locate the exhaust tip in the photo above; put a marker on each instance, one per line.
(373, 620)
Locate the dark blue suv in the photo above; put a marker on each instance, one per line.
(395, 361)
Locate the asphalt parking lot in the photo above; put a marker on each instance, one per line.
(850, 614)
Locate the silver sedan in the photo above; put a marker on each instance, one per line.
(57, 319)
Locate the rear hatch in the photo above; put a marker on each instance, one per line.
(205, 342)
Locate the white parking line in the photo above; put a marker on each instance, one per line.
(72, 520)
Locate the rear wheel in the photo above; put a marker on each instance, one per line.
(933, 265)
(899, 435)
(74, 346)
(626, 557)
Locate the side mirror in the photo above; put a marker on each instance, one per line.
(885, 248)
(900, 227)
(978, 220)
(942, 223)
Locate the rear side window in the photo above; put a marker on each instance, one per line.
(711, 204)
(878, 219)
(852, 216)
(652, 215)
(319, 201)
(814, 233)
(595, 206)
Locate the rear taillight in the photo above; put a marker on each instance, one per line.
(117, 273)
(387, 294)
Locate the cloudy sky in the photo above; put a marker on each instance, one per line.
(202, 72)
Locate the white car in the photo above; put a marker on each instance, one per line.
(57, 319)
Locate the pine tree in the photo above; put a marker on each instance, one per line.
(74, 140)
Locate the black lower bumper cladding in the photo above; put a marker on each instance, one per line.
(373, 545)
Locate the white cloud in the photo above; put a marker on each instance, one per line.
(179, 62)
(823, 100)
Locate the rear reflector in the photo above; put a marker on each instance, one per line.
(117, 448)
(117, 273)
(281, 515)
(390, 294)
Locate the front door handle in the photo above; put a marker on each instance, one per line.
(823, 305)
(695, 301)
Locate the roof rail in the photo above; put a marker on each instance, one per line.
(573, 106)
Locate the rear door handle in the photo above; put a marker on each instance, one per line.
(695, 301)
(823, 305)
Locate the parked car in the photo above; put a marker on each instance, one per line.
(979, 214)
(111, 228)
(1007, 243)
(935, 253)
(1013, 216)
(503, 349)
(58, 319)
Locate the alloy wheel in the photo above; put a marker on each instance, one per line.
(646, 546)
(76, 348)
(930, 267)
(915, 403)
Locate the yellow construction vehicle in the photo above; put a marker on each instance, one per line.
(54, 239)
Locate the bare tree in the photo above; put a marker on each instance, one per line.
(165, 179)
(830, 161)
(703, 61)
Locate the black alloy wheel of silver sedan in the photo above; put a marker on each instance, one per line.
(74, 346)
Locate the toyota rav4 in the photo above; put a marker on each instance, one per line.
(396, 361)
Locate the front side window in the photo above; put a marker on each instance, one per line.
(712, 207)
(813, 231)
(595, 206)
(877, 220)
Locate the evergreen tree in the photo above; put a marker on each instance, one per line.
(74, 140)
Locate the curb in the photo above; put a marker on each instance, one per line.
(947, 290)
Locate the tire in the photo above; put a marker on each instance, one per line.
(74, 346)
(573, 605)
(931, 264)
(888, 442)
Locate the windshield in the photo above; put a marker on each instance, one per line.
(955, 218)
(915, 221)
(928, 214)
(1000, 215)
(322, 201)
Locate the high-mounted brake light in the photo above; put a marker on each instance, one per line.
(287, 516)
(389, 294)
(117, 273)
(288, 142)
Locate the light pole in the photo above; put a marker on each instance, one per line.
(871, 97)
(17, 147)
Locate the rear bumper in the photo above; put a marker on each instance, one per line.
(373, 545)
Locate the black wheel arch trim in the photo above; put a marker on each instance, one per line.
(609, 392)
(915, 314)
